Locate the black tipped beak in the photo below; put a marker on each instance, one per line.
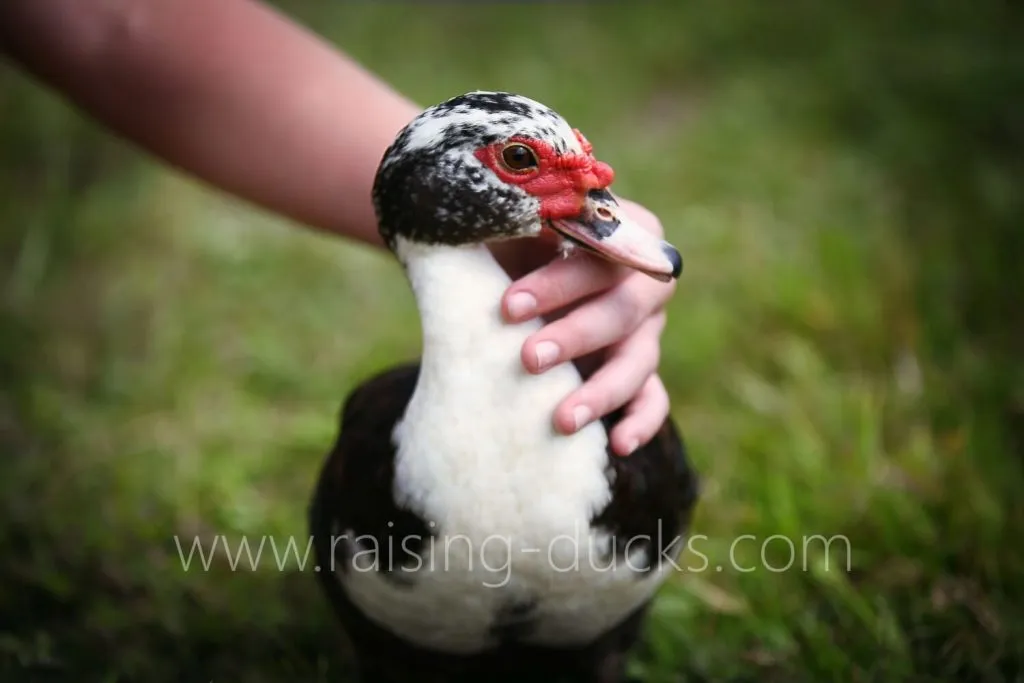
(673, 255)
(604, 229)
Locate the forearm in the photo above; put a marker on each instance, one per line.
(229, 91)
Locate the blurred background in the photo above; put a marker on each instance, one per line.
(843, 353)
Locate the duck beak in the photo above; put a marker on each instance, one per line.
(603, 228)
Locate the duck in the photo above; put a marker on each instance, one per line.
(458, 537)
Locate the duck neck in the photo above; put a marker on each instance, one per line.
(477, 437)
(471, 374)
(458, 291)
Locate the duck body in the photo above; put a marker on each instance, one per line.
(458, 536)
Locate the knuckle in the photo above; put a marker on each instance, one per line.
(645, 356)
(557, 292)
(654, 356)
(613, 389)
(575, 335)
(660, 393)
(598, 394)
(551, 286)
(658, 320)
(603, 401)
(571, 279)
(632, 304)
(662, 292)
(589, 329)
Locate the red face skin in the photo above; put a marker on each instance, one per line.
(560, 182)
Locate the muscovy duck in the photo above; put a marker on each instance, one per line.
(458, 536)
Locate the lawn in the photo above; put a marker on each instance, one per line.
(843, 352)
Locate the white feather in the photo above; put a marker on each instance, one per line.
(430, 127)
(478, 458)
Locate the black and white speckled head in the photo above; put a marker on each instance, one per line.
(485, 166)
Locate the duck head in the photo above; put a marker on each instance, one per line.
(489, 166)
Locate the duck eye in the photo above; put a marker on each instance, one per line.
(519, 157)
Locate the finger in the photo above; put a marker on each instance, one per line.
(599, 323)
(616, 382)
(557, 285)
(645, 415)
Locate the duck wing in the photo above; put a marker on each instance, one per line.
(654, 495)
(354, 492)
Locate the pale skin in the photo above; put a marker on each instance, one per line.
(241, 97)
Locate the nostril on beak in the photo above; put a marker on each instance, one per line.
(674, 257)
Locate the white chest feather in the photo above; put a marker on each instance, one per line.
(479, 460)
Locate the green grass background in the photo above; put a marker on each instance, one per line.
(843, 353)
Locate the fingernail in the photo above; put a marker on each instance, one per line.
(546, 352)
(632, 446)
(521, 305)
(581, 416)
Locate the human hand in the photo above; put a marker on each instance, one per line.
(606, 318)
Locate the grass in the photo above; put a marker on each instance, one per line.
(841, 352)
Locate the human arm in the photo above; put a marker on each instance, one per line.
(239, 96)
(230, 91)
